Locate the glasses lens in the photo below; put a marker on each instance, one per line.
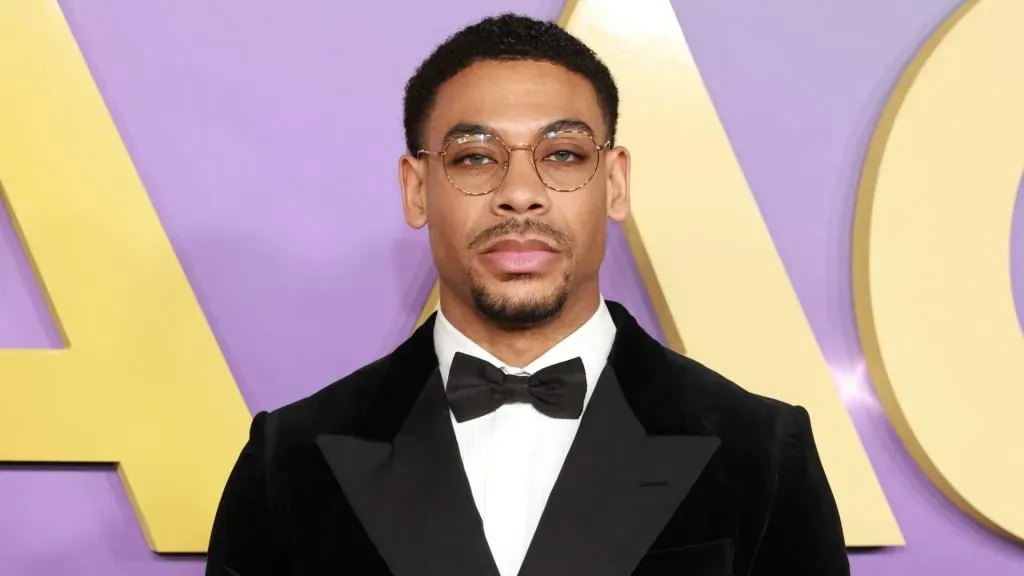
(566, 160)
(475, 164)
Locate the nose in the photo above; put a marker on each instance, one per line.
(522, 191)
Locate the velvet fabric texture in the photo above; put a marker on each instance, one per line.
(674, 470)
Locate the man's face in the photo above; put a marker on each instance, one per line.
(513, 246)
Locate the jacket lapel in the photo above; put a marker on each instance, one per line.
(617, 490)
(635, 457)
(403, 475)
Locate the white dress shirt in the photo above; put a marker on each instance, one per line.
(513, 456)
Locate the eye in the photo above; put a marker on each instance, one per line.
(562, 156)
(473, 160)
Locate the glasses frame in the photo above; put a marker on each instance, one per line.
(531, 148)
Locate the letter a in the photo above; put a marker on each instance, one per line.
(704, 251)
(141, 382)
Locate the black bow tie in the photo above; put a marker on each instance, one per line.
(476, 388)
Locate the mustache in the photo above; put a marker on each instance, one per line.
(520, 228)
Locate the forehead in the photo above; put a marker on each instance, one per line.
(514, 98)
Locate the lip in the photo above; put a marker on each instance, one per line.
(518, 245)
(519, 256)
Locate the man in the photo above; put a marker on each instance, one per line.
(528, 427)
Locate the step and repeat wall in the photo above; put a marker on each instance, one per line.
(202, 220)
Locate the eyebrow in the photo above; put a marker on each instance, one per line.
(466, 129)
(473, 129)
(573, 124)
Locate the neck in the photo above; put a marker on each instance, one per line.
(519, 346)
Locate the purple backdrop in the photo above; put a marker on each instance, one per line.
(266, 135)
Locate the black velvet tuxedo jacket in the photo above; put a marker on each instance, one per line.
(674, 471)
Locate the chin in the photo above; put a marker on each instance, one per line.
(521, 301)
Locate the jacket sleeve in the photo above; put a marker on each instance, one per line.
(243, 540)
(804, 534)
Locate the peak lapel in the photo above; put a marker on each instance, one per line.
(403, 475)
(617, 490)
(412, 496)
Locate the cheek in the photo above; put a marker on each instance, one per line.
(587, 223)
(451, 218)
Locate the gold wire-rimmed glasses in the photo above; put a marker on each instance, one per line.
(476, 164)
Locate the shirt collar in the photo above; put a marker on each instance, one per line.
(591, 342)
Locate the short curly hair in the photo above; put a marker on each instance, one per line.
(504, 37)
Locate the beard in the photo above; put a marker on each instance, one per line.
(520, 312)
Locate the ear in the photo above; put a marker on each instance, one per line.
(412, 175)
(618, 183)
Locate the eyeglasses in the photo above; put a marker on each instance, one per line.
(476, 164)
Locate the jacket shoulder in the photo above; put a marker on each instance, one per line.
(723, 407)
(331, 410)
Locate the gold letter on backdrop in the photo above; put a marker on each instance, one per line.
(142, 382)
(932, 256)
(704, 251)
